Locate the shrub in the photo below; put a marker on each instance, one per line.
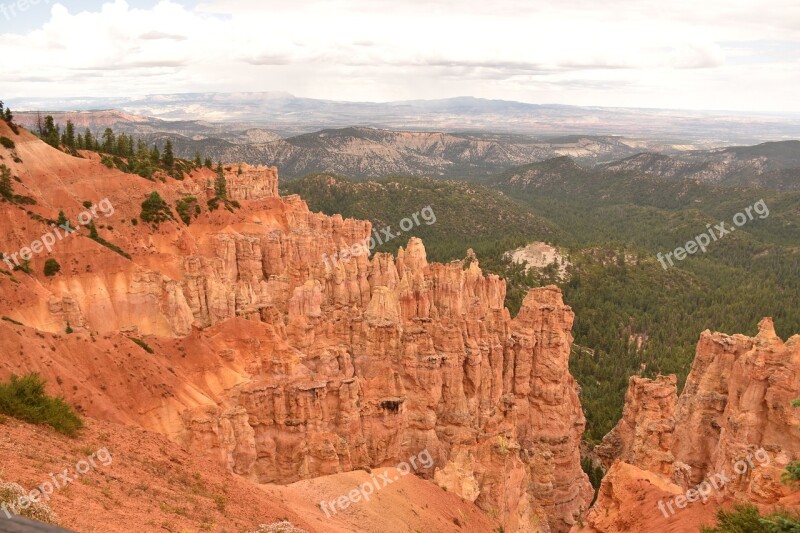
(187, 209)
(68, 330)
(747, 518)
(24, 398)
(51, 267)
(7, 143)
(155, 210)
(9, 319)
(143, 344)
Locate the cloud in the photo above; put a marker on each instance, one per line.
(156, 35)
(621, 52)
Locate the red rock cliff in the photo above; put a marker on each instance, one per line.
(285, 363)
(734, 410)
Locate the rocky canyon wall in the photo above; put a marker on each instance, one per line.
(733, 423)
(284, 365)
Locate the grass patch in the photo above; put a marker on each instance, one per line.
(24, 398)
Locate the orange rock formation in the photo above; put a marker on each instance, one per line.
(280, 367)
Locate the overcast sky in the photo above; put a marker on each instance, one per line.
(699, 54)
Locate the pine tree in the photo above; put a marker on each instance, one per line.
(109, 141)
(51, 135)
(169, 157)
(197, 161)
(208, 163)
(62, 221)
(6, 186)
(88, 140)
(221, 186)
(69, 135)
(155, 155)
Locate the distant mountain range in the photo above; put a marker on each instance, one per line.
(290, 115)
(773, 165)
(366, 153)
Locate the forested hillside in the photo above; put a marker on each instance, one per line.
(632, 315)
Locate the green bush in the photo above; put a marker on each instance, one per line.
(143, 344)
(187, 209)
(24, 398)
(7, 143)
(155, 210)
(9, 319)
(51, 267)
(747, 519)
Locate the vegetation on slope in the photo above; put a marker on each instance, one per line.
(24, 398)
(634, 316)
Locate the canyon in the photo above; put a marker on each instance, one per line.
(279, 368)
(283, 371)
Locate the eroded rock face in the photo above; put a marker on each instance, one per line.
(644, 436)
(288, 359)
(734, 417)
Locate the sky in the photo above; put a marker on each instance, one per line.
(716, 55)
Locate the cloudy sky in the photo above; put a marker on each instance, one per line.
(709, 54)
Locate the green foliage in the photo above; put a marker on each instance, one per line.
(169, 157)
(595, 474)
(25, 266)
(68, 331)
(187, 209)
(221, 186)
(6, 185)
(62, 219)
(5, 142)
(95, 236)
(25, 398)
(51, 267)
(51, 134)
(9, 319)
(155, 210)
(613, 226)
(143, 345)
(747, 519)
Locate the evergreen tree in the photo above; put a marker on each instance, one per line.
(169, 157)
(197, 161)
(88, 140)
(109, 142)
(155, 155)
(6, 186)
(69, 135)
(221, 186)
(62, 221)
(51, 135)
(8, 116)
(208, 163)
